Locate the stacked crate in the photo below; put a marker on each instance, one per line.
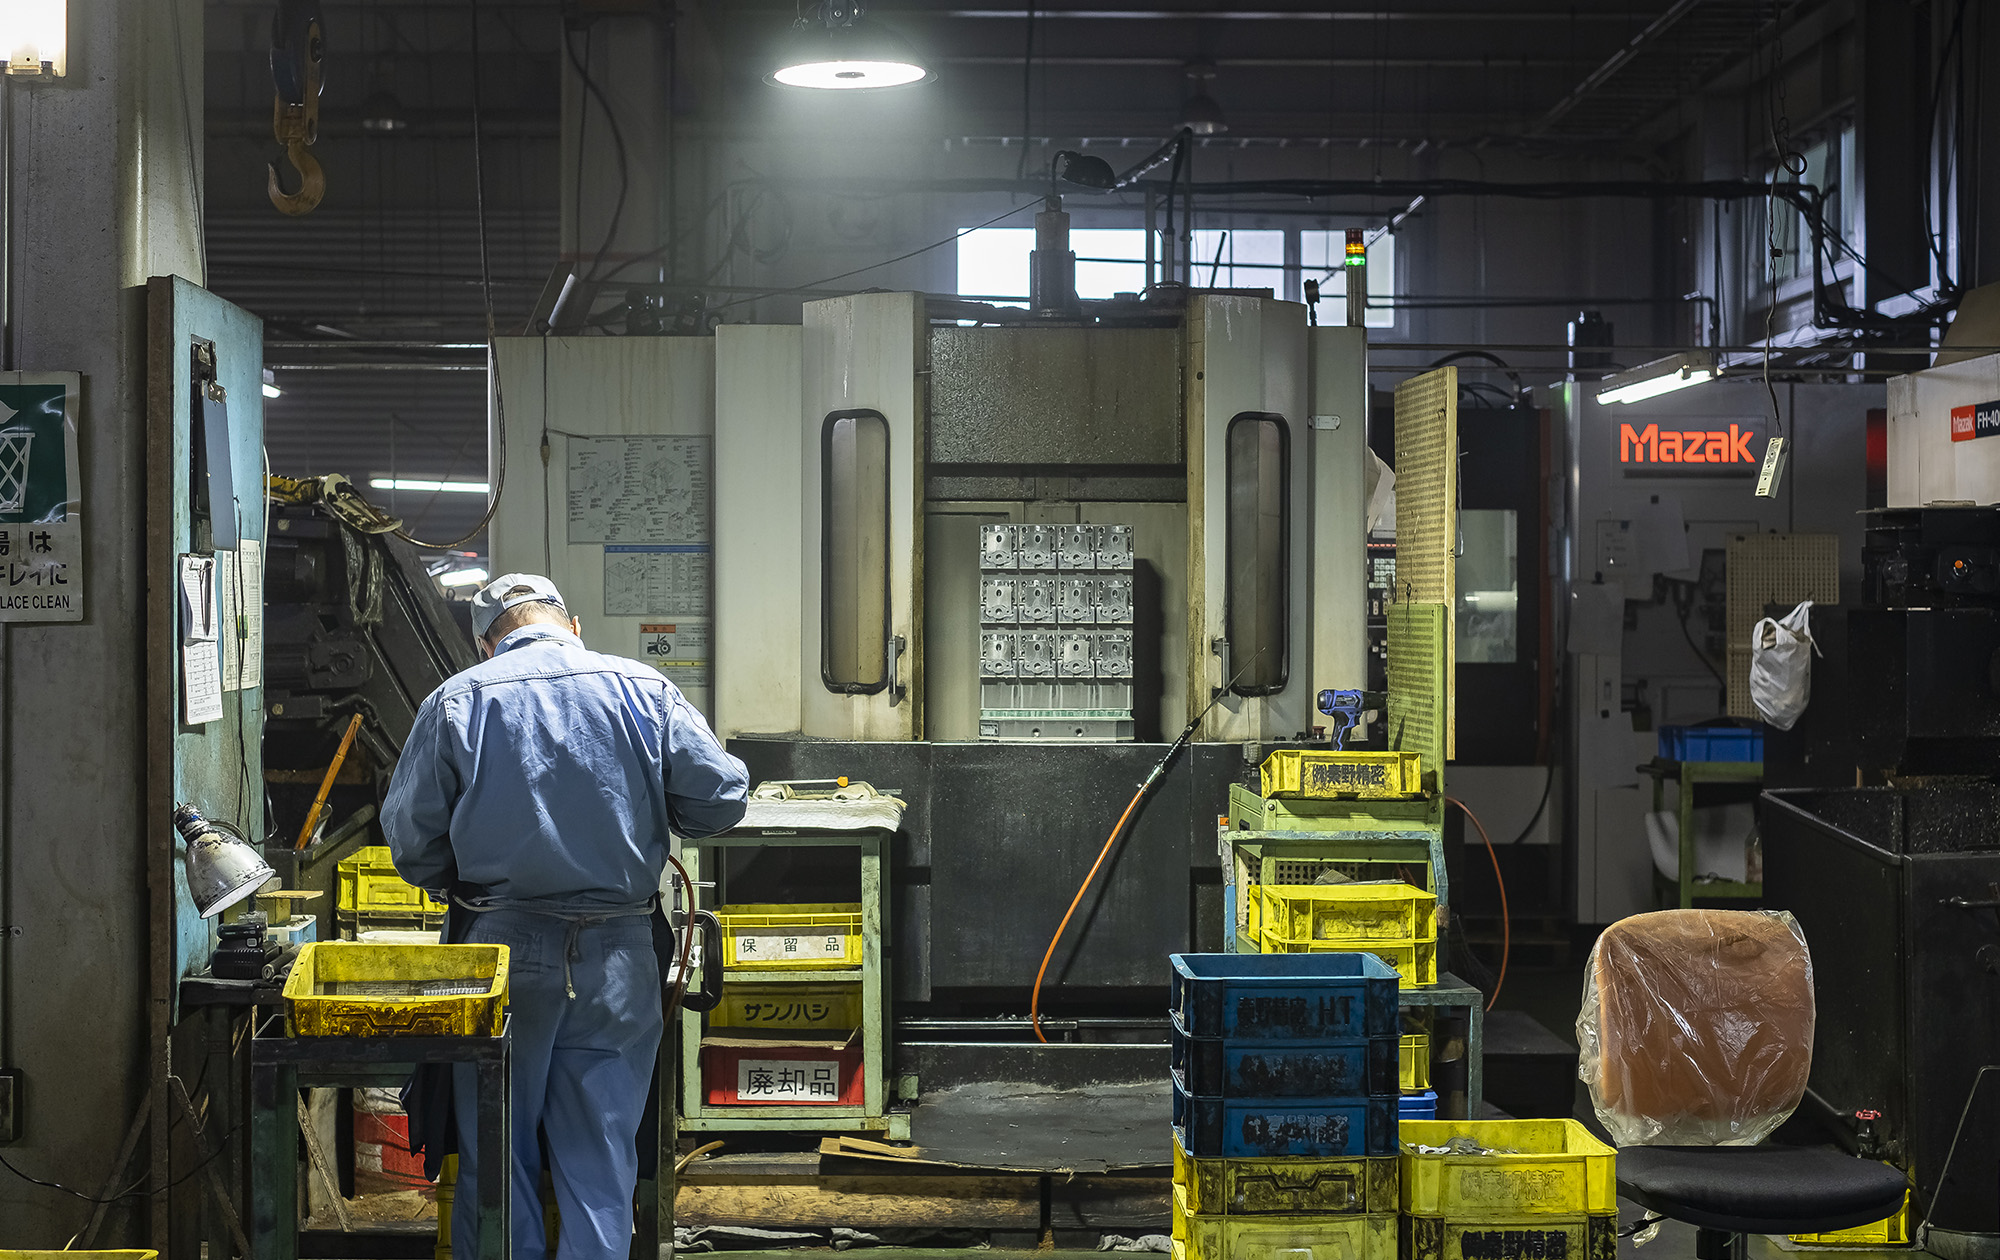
(1285, 1097)
(781, 1036)
(373, 898)
(1390, 919)
(1479, 1189)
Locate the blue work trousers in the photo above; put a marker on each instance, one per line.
(582, 1068)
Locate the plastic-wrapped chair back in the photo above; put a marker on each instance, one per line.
(1697, 1026)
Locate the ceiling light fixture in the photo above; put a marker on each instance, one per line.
(382, 114)
(835, 47)
(462, 577)
(1662, 376)
(1201, 114)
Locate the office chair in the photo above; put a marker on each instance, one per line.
(1697, 1034)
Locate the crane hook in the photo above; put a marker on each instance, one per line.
(296, 49)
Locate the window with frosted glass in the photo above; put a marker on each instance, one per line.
(854, 552)
(1488, 592)
(1258, 547)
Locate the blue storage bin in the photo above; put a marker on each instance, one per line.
(1262, 1128)
(1422, 1106)
(1712, 743)
(1284, 997)
(1221, 1067)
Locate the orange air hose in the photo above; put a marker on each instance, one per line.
(1506, 927)
(1035, 999)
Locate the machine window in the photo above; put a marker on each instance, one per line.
(854, 552)
(1258, 614)
(1488, 589)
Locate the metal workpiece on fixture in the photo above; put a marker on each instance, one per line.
(1661, 376)
(837, 47)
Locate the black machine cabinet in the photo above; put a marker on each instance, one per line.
(353, 623)
(1898, 893)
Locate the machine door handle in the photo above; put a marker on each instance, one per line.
(710, 993)
(897, 691)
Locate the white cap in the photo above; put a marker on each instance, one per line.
(495, 598)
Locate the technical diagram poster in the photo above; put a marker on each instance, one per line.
(656, 579)
(41, 493)
(627, 489)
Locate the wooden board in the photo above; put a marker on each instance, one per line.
(1125, 1204)
(886, 1202)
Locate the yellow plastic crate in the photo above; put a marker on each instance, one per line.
(1413, 1063)
(1389, 910)
(1561, 1171)
(1415, 961)
(369, 885)
(827, 1007)
(1199, 1236)
(1367, 776)
(1891, 1232)
(791, 937)
(1590, 1237)
(1286, 1187)
(350, 989)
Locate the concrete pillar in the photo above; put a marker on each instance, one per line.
(103, 192)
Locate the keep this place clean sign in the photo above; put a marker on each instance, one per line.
(41, 498)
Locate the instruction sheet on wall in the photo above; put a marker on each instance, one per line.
(201, 660)
(678, 649)
(242, 619)
(656, 579)
(41, 498)
(626, 488)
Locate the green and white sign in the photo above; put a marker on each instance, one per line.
(41, 498)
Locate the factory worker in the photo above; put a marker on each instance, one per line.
(539, 788)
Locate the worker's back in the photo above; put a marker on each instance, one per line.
(556, 772)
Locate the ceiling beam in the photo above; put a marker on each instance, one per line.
(1613, 64)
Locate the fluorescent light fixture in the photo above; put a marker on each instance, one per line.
(462, 577)
(836, 48)
(429, 487)
(34, 36)
(1662, 376)
(271, 389)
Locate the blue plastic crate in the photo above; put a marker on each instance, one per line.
(1221, 1067)
(1263, 1128)
(1284, 997)
(1422, 1106)
(1712, 743)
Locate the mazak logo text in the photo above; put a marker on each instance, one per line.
(1654, 445)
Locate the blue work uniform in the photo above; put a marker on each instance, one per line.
(546, 780)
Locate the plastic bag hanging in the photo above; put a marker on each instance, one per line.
(1697, 1026)
(1781, 653)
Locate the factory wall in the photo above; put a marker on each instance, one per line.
(73, 975)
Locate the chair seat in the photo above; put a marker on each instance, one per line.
(1760, 1189)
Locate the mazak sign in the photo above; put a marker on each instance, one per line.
(1726, 450)
(1975, 420)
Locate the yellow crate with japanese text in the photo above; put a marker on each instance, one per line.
(789, 937)
(791, 1007)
